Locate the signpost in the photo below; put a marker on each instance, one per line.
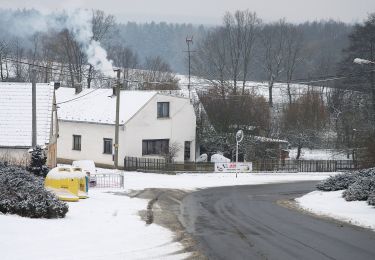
(239, 138)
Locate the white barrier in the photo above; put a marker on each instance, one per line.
(231, 167)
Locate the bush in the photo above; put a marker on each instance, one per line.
(24, 194)
(361, 189)
(371, 199)
(337, 182)
(344, 180)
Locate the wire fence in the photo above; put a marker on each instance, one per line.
(160, 165)
(107, 180)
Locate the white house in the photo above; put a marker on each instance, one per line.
(150, 123)
(16, 121)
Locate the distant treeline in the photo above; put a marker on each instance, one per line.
(323, 41)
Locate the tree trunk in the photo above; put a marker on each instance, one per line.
(299, 149)
(289, 94)
(270, 101)
(89, 77)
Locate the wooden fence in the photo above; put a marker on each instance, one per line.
(160, 165)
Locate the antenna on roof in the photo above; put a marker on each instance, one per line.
(189, 40)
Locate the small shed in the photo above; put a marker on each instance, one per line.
(16, 121)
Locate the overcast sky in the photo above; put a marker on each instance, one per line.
(210, 11)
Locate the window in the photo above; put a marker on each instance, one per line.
(107, 146)
(163, 109)
(155, 147)
(77, 142)
(187, 151)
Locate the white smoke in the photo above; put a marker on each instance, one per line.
(78, 22)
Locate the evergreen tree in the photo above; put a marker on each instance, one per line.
(38, 161)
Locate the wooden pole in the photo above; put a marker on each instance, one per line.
(33, 104)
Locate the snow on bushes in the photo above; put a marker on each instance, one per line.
(337, 182)
(358, 185)
(24, 194)
(371, 199)
(38, 161)
(360, 189)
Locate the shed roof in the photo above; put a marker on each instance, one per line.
(16, 113)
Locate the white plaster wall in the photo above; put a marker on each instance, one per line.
(91, 141)
(180, 127)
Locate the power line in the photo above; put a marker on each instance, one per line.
(59, 70)
(73, 99)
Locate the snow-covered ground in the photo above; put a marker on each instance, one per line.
(191, 181)
(331, 204)
(319, 154)
(107, 226)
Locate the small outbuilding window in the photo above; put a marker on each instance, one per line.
(163, 109)
(77, 142)
(107, 146)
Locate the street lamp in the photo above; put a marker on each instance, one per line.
(239, 138)
(362, 61)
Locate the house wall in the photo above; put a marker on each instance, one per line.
(180, 127)
(91, 141)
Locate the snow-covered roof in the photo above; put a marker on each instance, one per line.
(268, 140)
(99, 105)
(16, 113)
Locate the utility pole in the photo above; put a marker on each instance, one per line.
(116, 145)
(188, 42)
(33, 104)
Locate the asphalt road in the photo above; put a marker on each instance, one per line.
(246, 222)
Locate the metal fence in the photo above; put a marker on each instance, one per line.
(157, 165)
(107, 180)
(160, 165)
(304, 165)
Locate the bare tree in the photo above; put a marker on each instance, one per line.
(226, 53)
(304, 120)
(157, 74)
(4, 53)
(294, 43)
(173, 150)
(274, 42)
(240, 32)
(17, 55)
(101, 26)
(74, 57)
(126, 59)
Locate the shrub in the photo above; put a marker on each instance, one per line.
(371, 199)
(361, 189)
(344, 180)
(337, 182)
(24, 194)
(38, 161)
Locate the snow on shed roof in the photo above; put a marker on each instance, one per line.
(16, 113)
(98, 105)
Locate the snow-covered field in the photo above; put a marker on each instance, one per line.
(318, 154)
(107, 226)
(331, 204)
